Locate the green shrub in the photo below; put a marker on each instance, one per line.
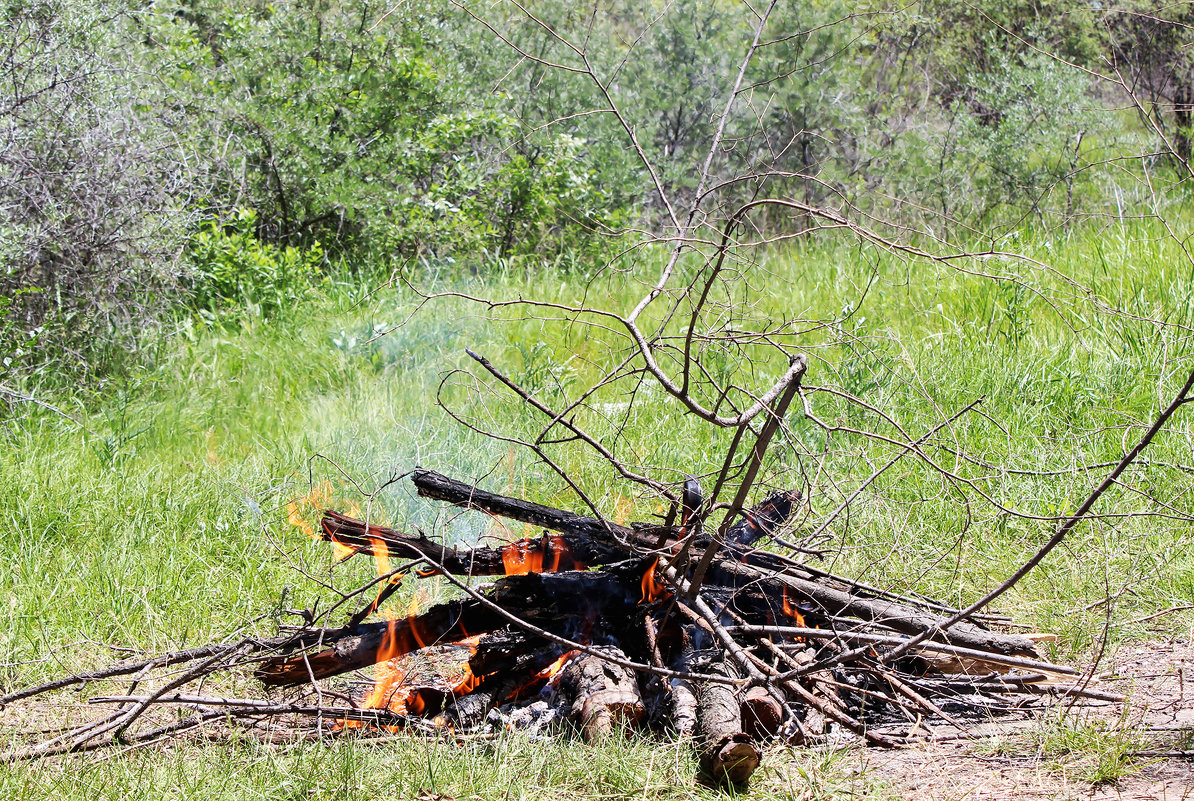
(90, 185)
(231, 267)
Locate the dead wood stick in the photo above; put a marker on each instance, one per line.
(526, 625)
(890, 639)
(684, 707)
(1062, 530)
(683, 694)
(711, 618)
(297, 670)
(916, 600)
(1015, 684)
(120, 720)
(770, 426)
(903, 619)
(912, 695)
(252, 706)
(725, 752)
(833, 712)
(824, 706)
(129, 667)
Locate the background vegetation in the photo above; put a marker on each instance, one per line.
(373, 134)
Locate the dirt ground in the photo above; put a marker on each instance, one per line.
(1158, 680)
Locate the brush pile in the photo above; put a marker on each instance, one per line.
(659, 626)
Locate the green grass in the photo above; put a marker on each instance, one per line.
(1093, 751)
(348, 769)
(164, 520)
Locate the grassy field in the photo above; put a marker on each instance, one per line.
(157, 515)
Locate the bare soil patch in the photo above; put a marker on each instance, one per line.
(1023, 763)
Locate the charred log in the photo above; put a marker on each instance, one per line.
(441, 488)
(602, 695)
(898, 617)
(548, 554)
(565, 603)
(371, 643)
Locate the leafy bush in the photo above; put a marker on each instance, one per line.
(344, 125)
(230, 267)
(539, 203)
(90, 187)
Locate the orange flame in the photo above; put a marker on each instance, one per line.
(623, 508)
(340, 551)
(322, 496)
(381, 557)
(520, 558)
(468, 681)
(652, 590)
(294, 518)
(387, 678)
(549, 554)
(412, 617)
(791, 611)
(553, 670)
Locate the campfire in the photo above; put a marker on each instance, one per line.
(594, 626)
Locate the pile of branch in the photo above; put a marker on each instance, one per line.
(662, 626)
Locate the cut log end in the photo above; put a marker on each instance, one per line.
(725, 752)
(733, 758)
(761, 714)
(603, 695)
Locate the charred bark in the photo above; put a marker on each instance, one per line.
(599, 601)
(548, 554)
(602, 695)
(371, 643)
(899, 617)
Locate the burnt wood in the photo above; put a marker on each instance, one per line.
(370, 643)
(552, 553)
(602, 695)
(598, 604)
(821, 594)
(899, 617)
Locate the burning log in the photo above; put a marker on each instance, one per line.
(602, 695)
(549, 554)
(832, 597)
(371, 643)
(725, 752)
(597, 600)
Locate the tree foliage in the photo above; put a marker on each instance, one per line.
(390, 132)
